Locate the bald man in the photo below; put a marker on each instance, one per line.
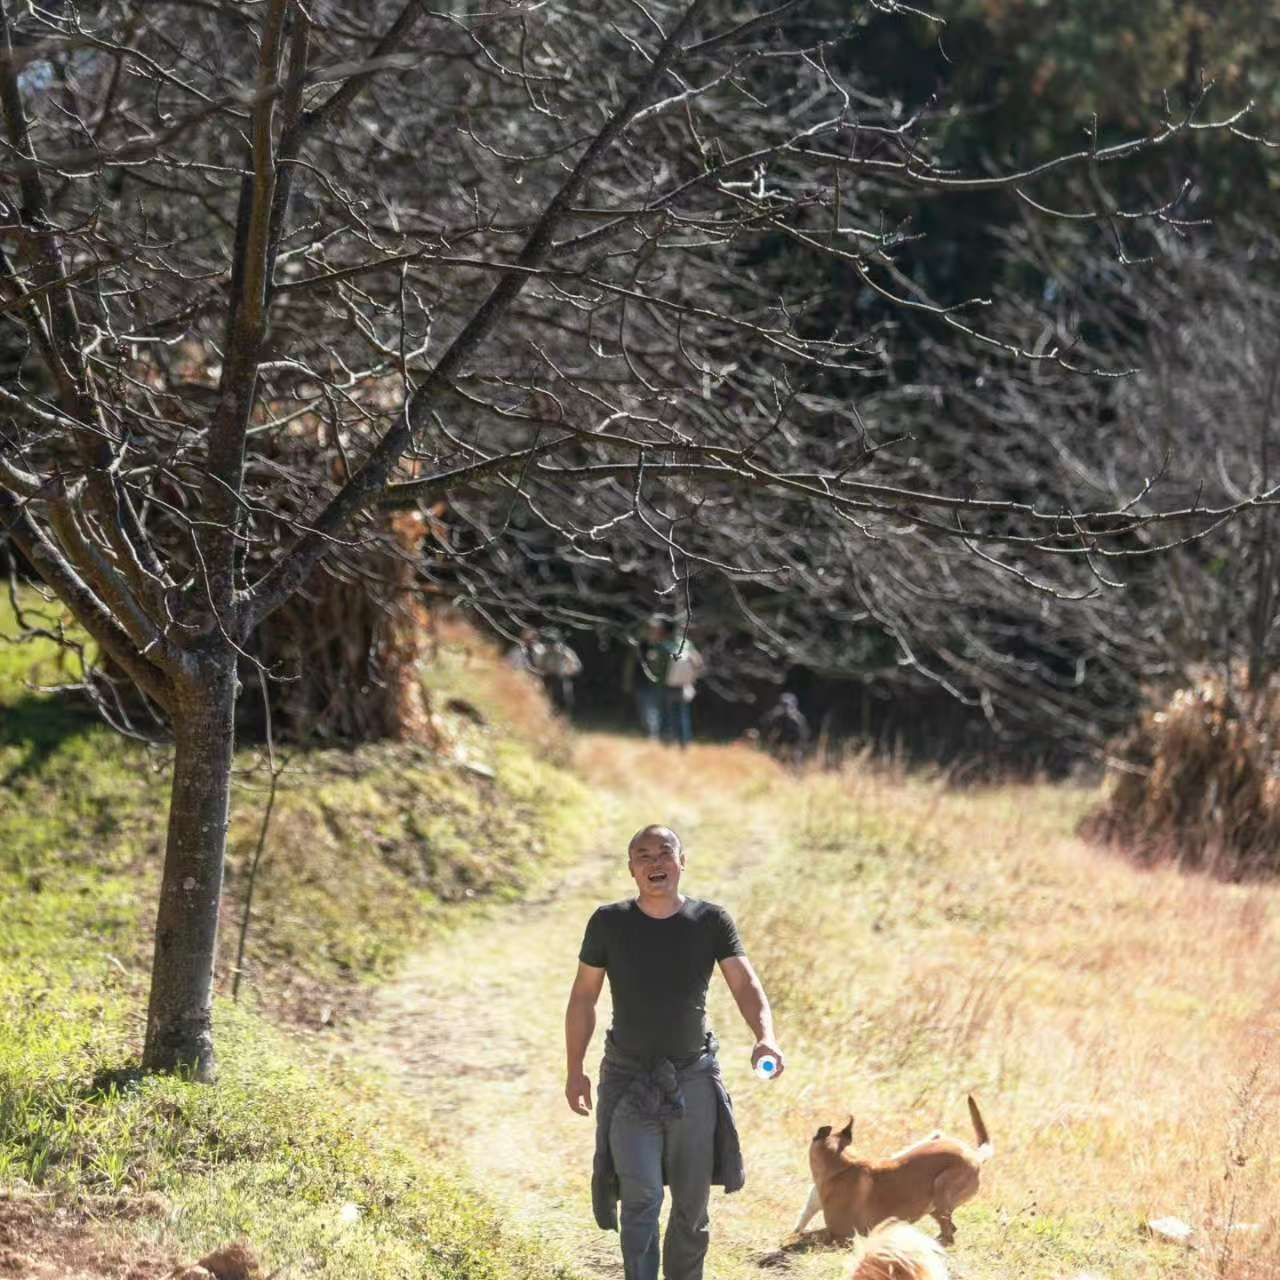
(663, 1115)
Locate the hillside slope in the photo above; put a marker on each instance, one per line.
(105, 1173)
(1119, 1026)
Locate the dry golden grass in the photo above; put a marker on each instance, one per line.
(1118, 1025)
(463, 664)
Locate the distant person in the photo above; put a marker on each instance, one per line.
(645, 675)
(526, 653)
(558, 665)
(682, 679)
(784, 731)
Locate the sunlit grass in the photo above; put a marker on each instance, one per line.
(1119, 1027)
(918, 943)
(468, 666)
(285, 1150)
(29, 660)
(369, 853)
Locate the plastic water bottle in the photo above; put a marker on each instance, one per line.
(766, 1067)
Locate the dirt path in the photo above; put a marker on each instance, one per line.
(474, 1025)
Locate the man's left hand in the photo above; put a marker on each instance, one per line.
(769, 1047)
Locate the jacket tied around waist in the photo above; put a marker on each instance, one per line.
(655, 1090)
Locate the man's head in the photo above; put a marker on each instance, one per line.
(657, 628)
(655, 858)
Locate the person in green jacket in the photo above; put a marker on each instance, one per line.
(645, 675)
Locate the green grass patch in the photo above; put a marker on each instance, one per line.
(287, 1153)
(369, 851)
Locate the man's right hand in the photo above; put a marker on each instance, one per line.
(578, 1091)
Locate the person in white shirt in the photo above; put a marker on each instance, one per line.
(526, 653)
(558, 665)
(682, 678)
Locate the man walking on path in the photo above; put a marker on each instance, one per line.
(662, 1113)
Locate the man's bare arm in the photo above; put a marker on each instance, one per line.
(579, 1024)
(753, 1004)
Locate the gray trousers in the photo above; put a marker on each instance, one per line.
(644, 1150)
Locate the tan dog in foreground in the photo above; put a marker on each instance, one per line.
(932, 1176)
(897, 1251)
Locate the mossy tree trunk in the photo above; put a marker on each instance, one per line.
(179, 1015)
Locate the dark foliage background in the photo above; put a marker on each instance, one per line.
(981, 87)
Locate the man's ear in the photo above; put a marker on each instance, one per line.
(847, 1132)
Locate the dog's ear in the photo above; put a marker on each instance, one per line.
(824, 1132)
(847, 1132)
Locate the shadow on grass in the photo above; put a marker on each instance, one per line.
(110, 1082)
(37, 726)
(819, 1241)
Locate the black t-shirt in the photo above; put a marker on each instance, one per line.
(659, 971)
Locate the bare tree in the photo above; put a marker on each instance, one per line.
(1187, 419)
(511, 257)
(1208, 405)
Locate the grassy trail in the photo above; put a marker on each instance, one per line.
(916, 943)
(1121, 1027)
(474, 1025)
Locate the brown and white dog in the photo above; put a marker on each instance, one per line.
(931, 1176)
(897, 1251)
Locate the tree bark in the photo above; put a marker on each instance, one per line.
(179, 1015)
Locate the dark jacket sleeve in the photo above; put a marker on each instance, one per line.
(729, 1170)
(605, 1188)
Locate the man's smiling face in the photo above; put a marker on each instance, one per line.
(656, 862)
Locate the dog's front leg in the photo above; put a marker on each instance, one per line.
(811, 1207)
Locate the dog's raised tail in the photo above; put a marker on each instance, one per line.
(986, 1149)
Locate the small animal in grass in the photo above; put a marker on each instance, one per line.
(895, 1250)
(856, 1193)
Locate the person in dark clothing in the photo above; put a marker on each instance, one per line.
(663, 1114)
(784, 731)
(526, 653)
(645, 675)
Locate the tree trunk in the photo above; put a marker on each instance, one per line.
(179, 1016)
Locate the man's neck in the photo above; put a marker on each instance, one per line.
(663, 908)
